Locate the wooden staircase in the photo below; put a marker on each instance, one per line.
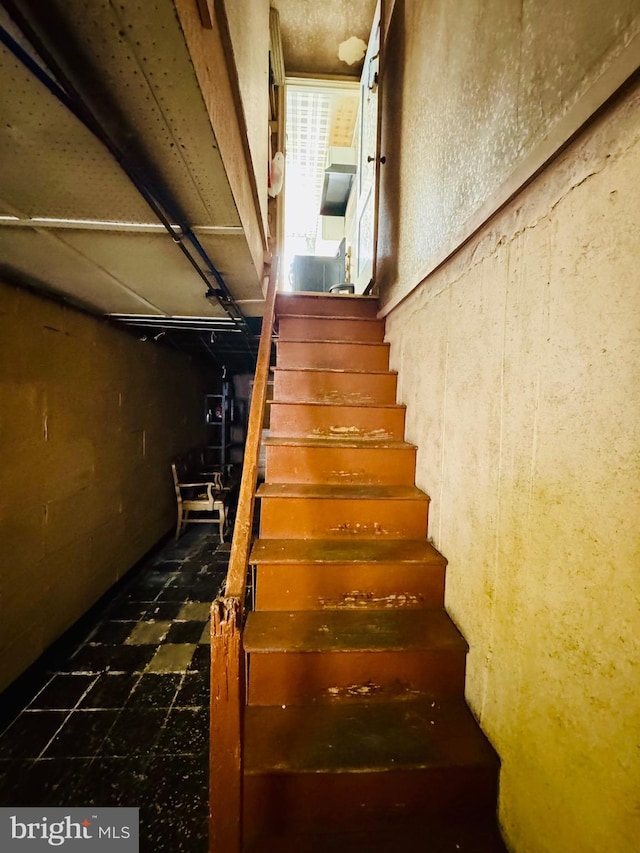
(357, 736)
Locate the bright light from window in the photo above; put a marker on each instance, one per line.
(315, 114)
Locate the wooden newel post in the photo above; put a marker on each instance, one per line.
(227, 707)
(227, 655)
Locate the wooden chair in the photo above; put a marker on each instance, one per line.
(204, 497)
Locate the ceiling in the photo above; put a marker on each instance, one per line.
(127, 212)
(313, 32)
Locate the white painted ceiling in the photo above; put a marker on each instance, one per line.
(71, 220)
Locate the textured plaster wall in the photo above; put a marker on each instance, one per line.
(89, 420)
(518, 361)
(477, 94)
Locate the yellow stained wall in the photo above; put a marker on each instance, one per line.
(89, 420)
(518, 361)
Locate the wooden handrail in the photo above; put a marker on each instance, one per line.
(237, 574)
(227, 613)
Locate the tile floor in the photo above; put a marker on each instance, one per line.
(119, 714)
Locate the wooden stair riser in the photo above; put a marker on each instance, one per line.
(407, 834)
(340, 388)
(298, 518)
(373, 586)
(330, 329)
(291, 678)
(325, 305)
(360, 800)
(340, 465)
(308, 420)
(332, 355)
(357, 740)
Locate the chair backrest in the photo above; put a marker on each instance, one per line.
(216, 478)
(176, 481)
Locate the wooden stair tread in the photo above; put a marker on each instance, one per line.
(330, 405)
(315, 294)
(369, 441)
(333, 342)
(339, 317)
(351, 630)
(309, 297)
(321, 491)
(347, 370)
(448, 835)
(414, 734)
(321, 551)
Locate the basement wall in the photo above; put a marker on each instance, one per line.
(477, 96)
(89, 420)
(518, 361)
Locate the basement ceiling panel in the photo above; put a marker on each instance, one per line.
(52, 165)
(44, 262)
(149, 263)
(130, 63)
(232, 258)
(72, 222)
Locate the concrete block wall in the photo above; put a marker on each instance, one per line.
(89, 419)
(518, 361)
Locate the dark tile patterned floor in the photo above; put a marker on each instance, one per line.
(118, 716)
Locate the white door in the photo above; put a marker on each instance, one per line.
(368, 162)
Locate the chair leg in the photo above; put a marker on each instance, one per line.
(179, 523)
(221, 520)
